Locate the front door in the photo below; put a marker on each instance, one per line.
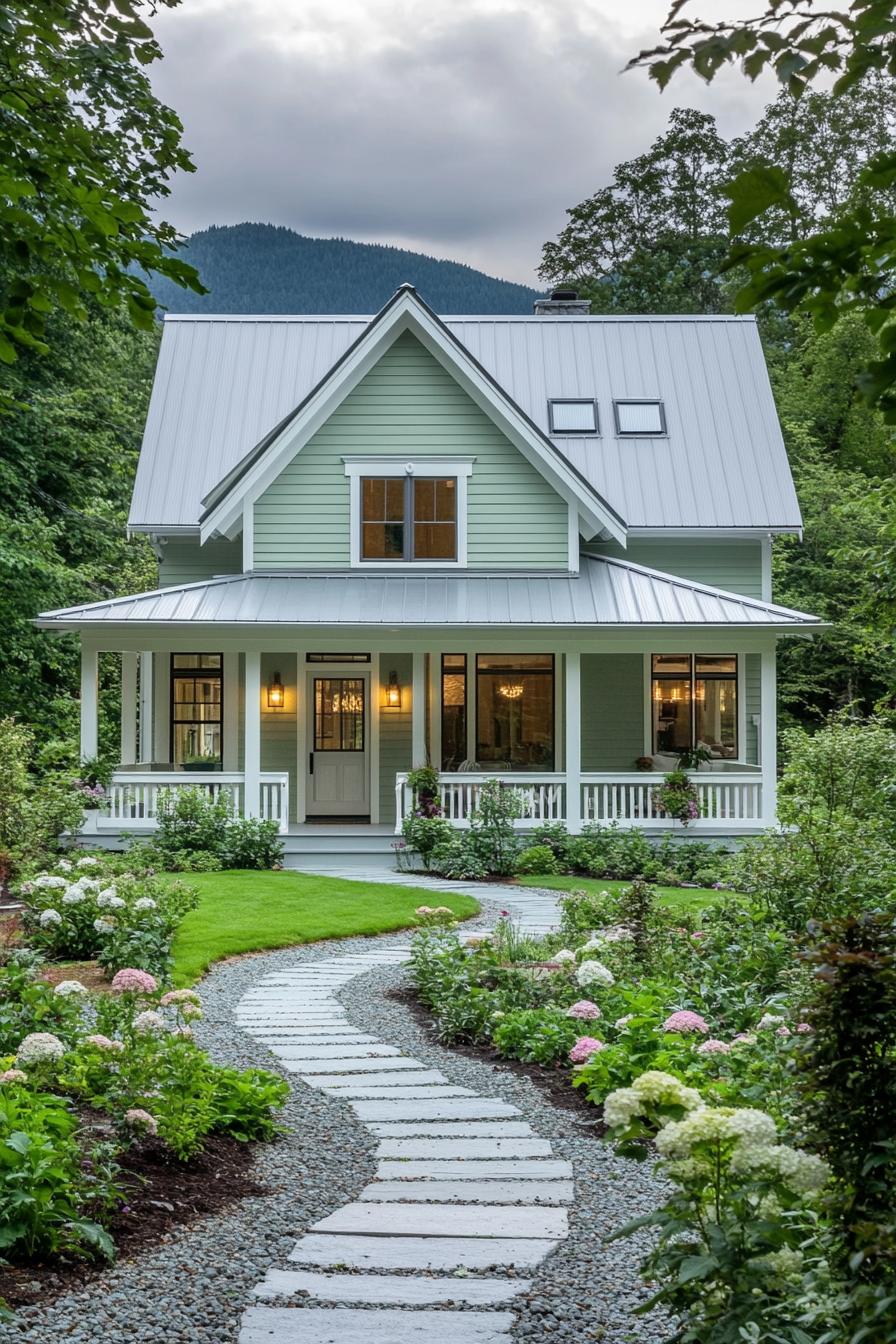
(338, 767)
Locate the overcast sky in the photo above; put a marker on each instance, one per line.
(462, 128)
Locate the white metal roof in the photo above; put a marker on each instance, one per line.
(607, 593)
(223, 383)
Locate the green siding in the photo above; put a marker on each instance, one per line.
(733, 565)
(752, 664)
(408, 405)
(188, 562)
(612, 710)
(395, 736)
(279, 733)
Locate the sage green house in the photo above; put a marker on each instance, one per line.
(534, 547)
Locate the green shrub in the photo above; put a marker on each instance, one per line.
(538, 859)
(251, 843)
(34, 813)
(492, 834)
(192, 820)
(29, 1004)
(535, 1035)
(460, 859)
(426, 835)
(245, 1102)
(583, 911)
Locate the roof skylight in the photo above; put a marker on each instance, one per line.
(573, 416)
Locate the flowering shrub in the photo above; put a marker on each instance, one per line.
(585, 1009)
(130, 980)
(685, 1021)
(29, 1004)
(534, 1035)
(584, 1048)
(677, 797)
(119, 918)
(594, 973)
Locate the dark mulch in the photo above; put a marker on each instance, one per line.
(162, 1194)
(553, 1081)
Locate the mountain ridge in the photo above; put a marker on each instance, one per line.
(268, 268)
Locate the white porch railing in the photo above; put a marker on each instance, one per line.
(133, 796)
(728, 800)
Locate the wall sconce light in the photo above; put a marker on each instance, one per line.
(392, 693)
(276, 693)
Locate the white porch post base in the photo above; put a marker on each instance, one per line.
(573, 663)
(252, 739)
(129, 709)
(768, 737)
(89, 703)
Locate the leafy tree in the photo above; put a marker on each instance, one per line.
(654, 240)
(86, 149)
(834, 265)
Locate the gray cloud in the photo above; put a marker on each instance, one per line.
(462, 131)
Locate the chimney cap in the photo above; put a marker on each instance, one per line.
(563, 301)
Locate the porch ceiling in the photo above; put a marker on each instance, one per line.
(608, 593)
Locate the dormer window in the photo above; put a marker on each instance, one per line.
(573, 416)
(408, 512)
(639, 417)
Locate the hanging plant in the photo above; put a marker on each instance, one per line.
(677, 797)
(425, 783)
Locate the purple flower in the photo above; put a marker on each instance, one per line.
(584, 1048)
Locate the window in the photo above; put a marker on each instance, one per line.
(694, 703)
(454, 710)
(339, 713)
(515, 711)
(409, 518)
(639, 417)
(196, 709)
(337, 657)
(573, 417)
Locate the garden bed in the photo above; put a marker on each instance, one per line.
(162, 1194)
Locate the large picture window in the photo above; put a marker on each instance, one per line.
(694, 703)
(408, 518)
(515, 711)
(197, 710)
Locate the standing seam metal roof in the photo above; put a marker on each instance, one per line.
(222, 384)
(607, 593)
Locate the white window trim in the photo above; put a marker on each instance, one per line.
(459, 468)
(740, 691)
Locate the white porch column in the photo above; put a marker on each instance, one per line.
(252, 736)
(768, 705)
(146, 704)
(231, 672)
(128, 754)
(418, 710)
(89, 703)
(573, 665)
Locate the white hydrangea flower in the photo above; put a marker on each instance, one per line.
(621, 1107)
(39, 1045)
(64, 866)
(595, 973)
(785, 1262)
(105, 924)
(622, 1022)
(88, 861)
(107, 900)
(753, 1128)
(89, 884)
(147, 1022)
(564, 956)
(665, 1089)
(74, 896)
(65, 988)
(800, 1171)
(47, 882)
(768, 1020)
(49, 918)
(145, 903)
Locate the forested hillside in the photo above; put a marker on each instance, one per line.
(260, 268)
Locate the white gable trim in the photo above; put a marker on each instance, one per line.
(408, 313)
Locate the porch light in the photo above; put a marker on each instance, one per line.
(276, 693)
(511, 690)
(392, 693)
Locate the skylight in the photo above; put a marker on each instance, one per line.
(639, 417)
(573, 416)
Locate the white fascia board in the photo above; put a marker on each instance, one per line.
(408, 314)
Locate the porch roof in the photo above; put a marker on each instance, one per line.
(608, 593)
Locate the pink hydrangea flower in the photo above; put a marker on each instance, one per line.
(132, 981)
(13, 1076)
(585, 1009)
(584, 1048)
(713, 1047)
(783, 1031)
(802, 1028)
(685, 1021)
(104, 1043)
(141, 1120)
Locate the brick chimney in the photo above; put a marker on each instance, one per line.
(563, 302)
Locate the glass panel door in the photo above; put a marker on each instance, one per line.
(339, 713)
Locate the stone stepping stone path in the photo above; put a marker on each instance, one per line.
(465, 1197)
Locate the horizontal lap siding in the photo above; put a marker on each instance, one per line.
(188, 562)
(752, 673)
(408, 405)
(279, 733)
(395, 734)
(735, 566)
(612, 710)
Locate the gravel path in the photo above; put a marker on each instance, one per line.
(195, 1287)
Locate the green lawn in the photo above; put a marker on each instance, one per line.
(249, 912)
(677, 898)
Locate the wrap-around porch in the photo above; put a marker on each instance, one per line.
(314, 737)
